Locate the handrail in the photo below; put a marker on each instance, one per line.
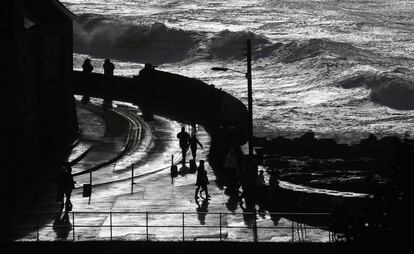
(299, 229)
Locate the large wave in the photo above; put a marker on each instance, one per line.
(232, 44)
(106, 37)
(393, 89)
(299, 50)
(291, 52)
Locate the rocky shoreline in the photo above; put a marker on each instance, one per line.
(322, 163)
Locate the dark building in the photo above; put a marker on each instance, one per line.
(40, 120)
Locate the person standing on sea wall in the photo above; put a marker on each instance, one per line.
(109, 73)
(87, 69)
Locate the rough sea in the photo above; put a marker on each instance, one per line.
(340, 68)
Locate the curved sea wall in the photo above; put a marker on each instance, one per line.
(186, 100)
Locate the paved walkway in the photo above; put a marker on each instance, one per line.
(153, 207)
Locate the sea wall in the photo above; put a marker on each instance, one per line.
(186, 100)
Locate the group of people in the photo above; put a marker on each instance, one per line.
(190, 141)
(108, 67)
(87, 68)
(239, 173)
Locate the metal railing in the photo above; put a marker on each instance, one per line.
(172, 226)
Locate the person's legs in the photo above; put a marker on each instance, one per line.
(194, 153)
(196, 192)
(183, 153)
(68, 202)
(60, 199)
(206, 191)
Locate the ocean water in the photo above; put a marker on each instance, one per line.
(340, 68)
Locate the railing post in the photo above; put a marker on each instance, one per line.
(110, 223)
(73, 227)
(183, 226)
(37, 227)
(146, 222)
(90, 182)
(304, 229)
(293, 233)
(220, 226)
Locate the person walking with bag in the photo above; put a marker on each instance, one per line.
(202, 180)
(68, 187)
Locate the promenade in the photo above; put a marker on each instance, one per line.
(151, 207)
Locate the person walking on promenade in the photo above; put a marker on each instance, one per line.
(231, 167)
(193, 146)
(202, 180)
(69, 185)
(260, 186)
(184, 142)
(87, 69)
(108, 72)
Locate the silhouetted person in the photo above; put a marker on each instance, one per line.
(260, 186)
(202, 180)
(202, 210)
(249, 182)
(184, 142)
(87, 69)
(87, 66)
(69, 185)
(193, 146)
(193, 129)
(108, 67)
(108, 72)
(273, 186)
(60, 187)
(231, 167)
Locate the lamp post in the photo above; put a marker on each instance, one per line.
(248, 75)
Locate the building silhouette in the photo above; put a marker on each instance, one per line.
(40, 120)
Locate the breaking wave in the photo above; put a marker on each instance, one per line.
(106, 37)
(226, 43)
(299, 50)
(392, 89)
(103, 37)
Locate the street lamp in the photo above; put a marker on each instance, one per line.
(248, 75)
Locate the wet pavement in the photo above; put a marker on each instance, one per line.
(151, 206)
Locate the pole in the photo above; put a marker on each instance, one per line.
(249, 96)
(132, 179)
(250, 120)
